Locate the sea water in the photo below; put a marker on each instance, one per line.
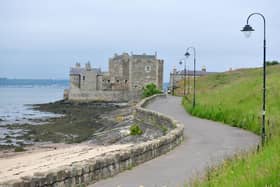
(16, 103)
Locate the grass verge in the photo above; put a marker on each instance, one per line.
(235, 98)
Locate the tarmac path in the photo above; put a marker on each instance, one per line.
(206, 143)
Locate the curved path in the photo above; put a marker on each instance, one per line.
(206, 143)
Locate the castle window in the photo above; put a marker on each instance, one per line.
(118, 81)
(84, 78)
(108, 81)
(125, 81)
(148, 69)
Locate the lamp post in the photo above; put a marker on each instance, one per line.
(185, 73)
(173, 83)
(188, 80)
(247, 30)
(187, 54)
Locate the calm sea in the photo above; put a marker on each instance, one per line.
(16, 96)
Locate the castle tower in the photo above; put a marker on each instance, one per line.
(88, 66)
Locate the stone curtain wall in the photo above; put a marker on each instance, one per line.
(114, 96)
(111, 163)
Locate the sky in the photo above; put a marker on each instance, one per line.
(43, 39)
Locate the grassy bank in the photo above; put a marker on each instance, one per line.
(235, 98)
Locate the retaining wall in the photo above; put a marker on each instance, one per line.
(111, 163)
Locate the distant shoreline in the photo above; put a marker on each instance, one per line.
(6, 82)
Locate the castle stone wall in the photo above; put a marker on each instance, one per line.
(119, 66)
(143, 72)
(89, 80)
(101, 95)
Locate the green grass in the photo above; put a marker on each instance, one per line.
(235, 98)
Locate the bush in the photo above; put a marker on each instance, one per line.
(150, 89)
(135, 130)
(274, 62)
(19, 149)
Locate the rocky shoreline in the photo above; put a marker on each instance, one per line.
(100, 123)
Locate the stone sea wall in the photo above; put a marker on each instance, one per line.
(111, 163)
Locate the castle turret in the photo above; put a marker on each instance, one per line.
(174, 71)
(78, 65)
(88, 66)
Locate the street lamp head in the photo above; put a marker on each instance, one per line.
(247, 30)
(187, 54)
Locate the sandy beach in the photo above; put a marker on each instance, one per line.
(41, 159)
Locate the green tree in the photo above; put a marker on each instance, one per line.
(150, 89)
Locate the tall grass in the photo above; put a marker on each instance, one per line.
(235, 98)
(260, 168)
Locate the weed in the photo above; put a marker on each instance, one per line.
(19, 149)
(135, 130)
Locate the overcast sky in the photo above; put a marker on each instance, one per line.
(42, 39)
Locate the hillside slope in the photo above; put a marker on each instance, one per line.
(235, 98)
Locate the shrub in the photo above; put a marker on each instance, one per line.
(135, 130)
(150, 89)
(19, 149)
(274, 62)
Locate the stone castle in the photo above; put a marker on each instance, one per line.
(124, 81)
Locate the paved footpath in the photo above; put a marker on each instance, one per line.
(206, 143)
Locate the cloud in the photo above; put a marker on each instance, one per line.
(58, 33)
